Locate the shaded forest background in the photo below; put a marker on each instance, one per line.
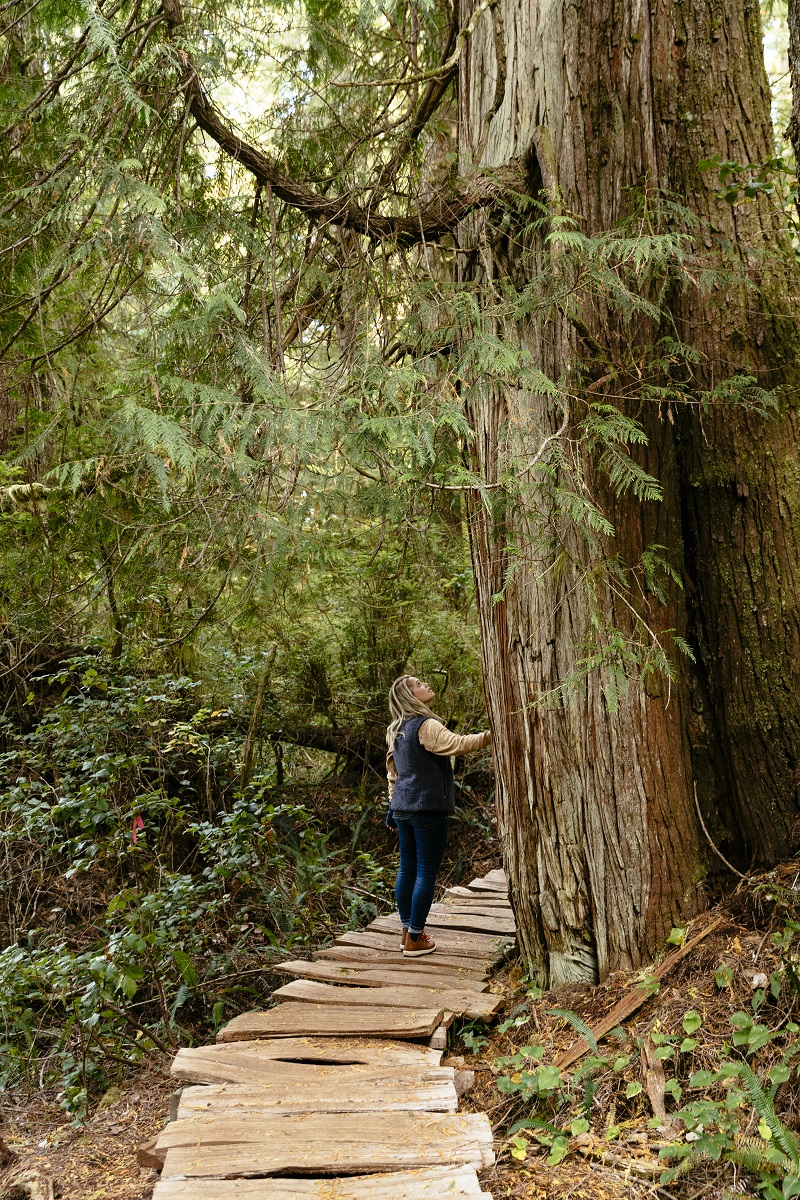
(216, 551)
(233, 494)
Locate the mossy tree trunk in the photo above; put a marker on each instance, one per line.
(597, 806)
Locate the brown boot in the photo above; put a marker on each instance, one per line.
(417, 945)
(403, 938)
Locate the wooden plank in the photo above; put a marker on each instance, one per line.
(477, 905)
(323, 1144)
(375, 940)
(449, 939)
(256, 1061)
(500, 921)
(366, 976)
(458, 964)
(304, 1088)
(462, 1002)
(486, 885)
(442, 918)
(438, 1039)
(432, 1183)
(333, 1020)
(497, 875)
(459, 895)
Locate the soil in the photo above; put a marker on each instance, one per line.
(92, 1161)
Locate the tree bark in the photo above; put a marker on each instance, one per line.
(793, 129)
(596, 806)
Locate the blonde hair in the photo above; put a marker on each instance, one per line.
(402, 705)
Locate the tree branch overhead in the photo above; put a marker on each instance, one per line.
(438, 216)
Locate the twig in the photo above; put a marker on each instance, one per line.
(550, 438)
(438, 72)
(276, 303)
(718, 853)
(207, 983)
(142, 1029)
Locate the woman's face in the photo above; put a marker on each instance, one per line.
(421, 691)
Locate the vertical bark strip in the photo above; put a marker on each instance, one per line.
(793, 129)
(596, 807)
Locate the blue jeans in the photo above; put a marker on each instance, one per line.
(423, 837)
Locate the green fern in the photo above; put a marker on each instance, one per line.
(788, 1142)
(578, 1024)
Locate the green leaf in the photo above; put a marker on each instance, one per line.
(559, 1151)
(185, 965)
(687, 1044)
(580, 1125)
(723, 976)
(633, 1089)
(548, 1078)
(677, 935)
(692, 1021)
(780, 1073)
(128, 985)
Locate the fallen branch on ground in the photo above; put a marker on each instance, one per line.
(634, 999)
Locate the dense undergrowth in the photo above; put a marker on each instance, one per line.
(697, 1094)
(145, 893)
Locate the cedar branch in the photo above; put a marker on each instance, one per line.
(436, 217)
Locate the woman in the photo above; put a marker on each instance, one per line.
(421, 797)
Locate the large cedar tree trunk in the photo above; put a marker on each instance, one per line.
(597, 812)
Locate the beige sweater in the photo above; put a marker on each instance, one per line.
(437, 738)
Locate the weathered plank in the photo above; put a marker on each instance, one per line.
(438, 1039)
(305, 1088)
(458, 964)
(333, 1020)
(256, 1061)
(428, 1184)
(449, 939)
(443, 918)
(501, 921)
(489, 908)
(497, 875)
(459, 1001)
(323, 1144)
(375, 940)
(488, 885)
(367, 976)
(467, 895)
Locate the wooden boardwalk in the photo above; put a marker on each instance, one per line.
(338, 1093)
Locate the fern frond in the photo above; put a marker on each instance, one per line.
(578, 1024)
(788, 1142)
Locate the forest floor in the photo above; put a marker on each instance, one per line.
(594, 1134)
(657, 1080)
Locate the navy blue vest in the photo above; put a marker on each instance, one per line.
(424, 780)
